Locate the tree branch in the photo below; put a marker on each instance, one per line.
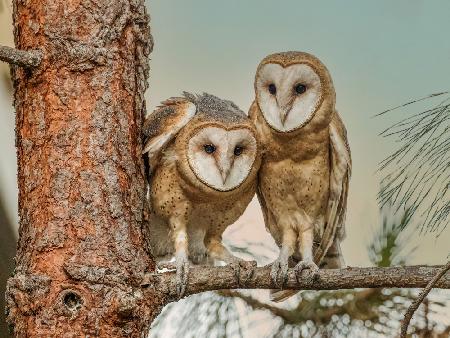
(27, 59)
(415, 305)
(208, 279)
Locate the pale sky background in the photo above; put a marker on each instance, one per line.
(380, 54)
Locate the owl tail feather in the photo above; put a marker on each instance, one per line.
(281, 295)
(334, 258)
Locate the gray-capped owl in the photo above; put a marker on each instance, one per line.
(305, 171)
(204, 157)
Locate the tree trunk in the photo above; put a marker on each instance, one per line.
(82, 251)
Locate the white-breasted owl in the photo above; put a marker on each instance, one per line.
(204, 156)
(306, 166)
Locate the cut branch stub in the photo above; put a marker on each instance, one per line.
(23, 58)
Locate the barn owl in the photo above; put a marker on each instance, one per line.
(306, 165)
(203, 157)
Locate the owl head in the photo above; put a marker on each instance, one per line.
(291, 89)
(216, 146)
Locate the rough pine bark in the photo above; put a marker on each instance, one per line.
(81, 254)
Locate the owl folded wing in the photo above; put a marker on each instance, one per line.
(161, 126)
(268, 219)
(341, 165)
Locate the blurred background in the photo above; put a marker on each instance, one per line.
(380, 54)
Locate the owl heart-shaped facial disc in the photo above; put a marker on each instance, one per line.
(222, 158)
(288, 96)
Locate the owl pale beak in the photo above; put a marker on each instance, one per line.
(285, 105)
(224, 164)
(224, 174)
(284, 112)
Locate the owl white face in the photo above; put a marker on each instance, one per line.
(288, 97)
(220, 158)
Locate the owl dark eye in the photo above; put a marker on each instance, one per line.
(272, 89)
(300, 88)
(238, 150)
(209, 148)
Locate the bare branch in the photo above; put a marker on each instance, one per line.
(415, 305)
(27, 59)
(217, 278)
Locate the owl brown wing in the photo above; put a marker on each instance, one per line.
(254, 116)
(341, 165)
(269, 220)
(161, 126)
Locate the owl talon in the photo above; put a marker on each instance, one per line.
(279, 272)
(243, 270)
(166, 266)
(306, 265)
(182, 276)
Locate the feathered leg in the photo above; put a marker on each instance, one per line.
(179, 234)
(280, 265)
(306, 249)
